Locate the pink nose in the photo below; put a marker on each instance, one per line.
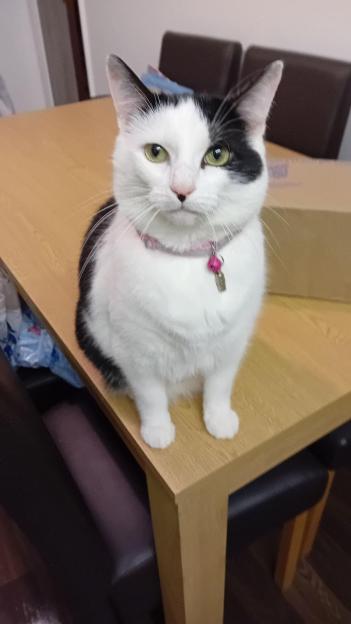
(182, 191)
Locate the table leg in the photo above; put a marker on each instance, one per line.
(289, 550)
(190, 534)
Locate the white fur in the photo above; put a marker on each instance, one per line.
(159, 316)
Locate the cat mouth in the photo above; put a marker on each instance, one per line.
(182, 210)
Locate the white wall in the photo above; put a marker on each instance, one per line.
(22, 55)
(133, 29)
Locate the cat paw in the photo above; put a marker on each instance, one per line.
(222, 424)
(158, 436)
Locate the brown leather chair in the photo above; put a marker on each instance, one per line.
(86, 507)
(312, 103)
(204, 64)
(38, 493)
(334, 452)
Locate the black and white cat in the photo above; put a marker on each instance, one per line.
(158, 314)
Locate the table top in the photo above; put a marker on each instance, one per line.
(295, 382)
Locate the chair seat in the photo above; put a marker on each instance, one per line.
(44, 388)
(334, 449)
(114, 489)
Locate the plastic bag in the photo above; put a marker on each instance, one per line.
(157, 82)
(34, 344)
(10, 317)
(36, 348)
(60, 366)
(23, 339)
(10, 306)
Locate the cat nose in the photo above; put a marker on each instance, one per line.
(182, 182)
(182, 192)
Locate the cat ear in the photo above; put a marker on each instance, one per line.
(254, 104)
(128, 92)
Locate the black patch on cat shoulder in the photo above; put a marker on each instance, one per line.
(111, 372)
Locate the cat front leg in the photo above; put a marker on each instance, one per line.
(220, 419)
(150, 395)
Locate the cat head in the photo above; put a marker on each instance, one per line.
(190, 166)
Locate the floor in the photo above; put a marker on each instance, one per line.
(27, 595)
(321, 593)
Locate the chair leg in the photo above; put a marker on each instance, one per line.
(298, 537)
(289, 550)
(314, 518)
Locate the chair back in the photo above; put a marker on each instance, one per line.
(204, 64)
(312, 102)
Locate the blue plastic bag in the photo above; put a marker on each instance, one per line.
(33, 347)
(34, 344)
(155, 81)
(60, 366)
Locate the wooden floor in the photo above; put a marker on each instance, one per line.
(321, 593)
(27, 594)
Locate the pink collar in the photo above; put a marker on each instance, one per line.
(206, 248)
(203, 248)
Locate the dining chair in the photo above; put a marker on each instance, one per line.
(84, 504)
(44, 387)
(39, 495)
(334, 452)
(313, 101)
(205, 64)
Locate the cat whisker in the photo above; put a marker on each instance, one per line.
(132, 197)
(150, 221)
(222, 104)
(279, 216)
(276, 255)
(249, 237)
(227, 231)
(222, 129)
(157, 98)
(89, 258)
(108, 207)
(98, 223)
(131, 101)
(237, 92)
(217, 122)
(132, 190)
(94, 249)
(133, 221)
(214, 235)
(265, 225)
(90, 255)
(93, 198)
(112, 205)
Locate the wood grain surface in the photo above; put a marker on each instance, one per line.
(295, 382)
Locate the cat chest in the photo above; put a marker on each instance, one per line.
(177, 294)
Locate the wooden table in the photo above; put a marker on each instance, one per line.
(294, 386)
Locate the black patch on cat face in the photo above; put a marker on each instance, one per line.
(245, 163)
(232, 132)
(110, 371)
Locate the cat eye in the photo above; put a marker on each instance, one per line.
(217, 156)
(155, 153)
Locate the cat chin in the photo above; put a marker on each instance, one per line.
(181, 218)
